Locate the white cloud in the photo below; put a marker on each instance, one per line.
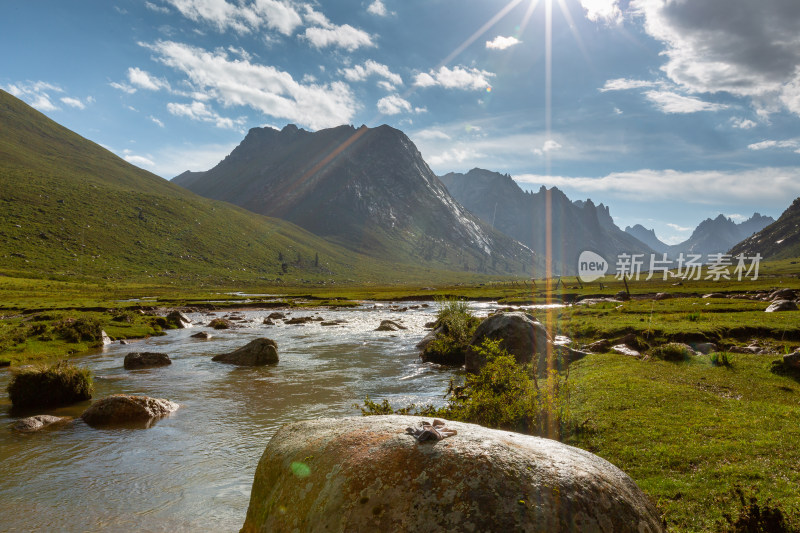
(678, 228)
(199, 111)
(743, 123)
(745, 48)
(736, 217)
(73, 102)
(144, 80)
(393, 105)
(501, 43)
(124, 87)
(377, 8)
(602, 10)
(457, 78)
(156, 121)
(788, 144)
(138, 160)
(242, 17)
(669, 102)
(548, 146)
(36, 94)
(700, 187)
(455, 155)
(369, 68)
(261, 87)
(432, 134)
(386, 86)
(624, 84)
(158, 9)
(344, 36)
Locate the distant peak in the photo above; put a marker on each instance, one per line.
(289, 128)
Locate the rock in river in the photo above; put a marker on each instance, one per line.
(179, 320)
(122, 409)
(35, 423)
(136, 360)
(367, 474)
(259, 352)
(522, 335)
(389, 325)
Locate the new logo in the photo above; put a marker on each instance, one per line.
(591, 266)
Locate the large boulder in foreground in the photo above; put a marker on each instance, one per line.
(522, 335)
(135, 360)
(259, 352)
(124, 409)
(367, 474)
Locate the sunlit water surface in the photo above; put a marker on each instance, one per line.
(193, 470)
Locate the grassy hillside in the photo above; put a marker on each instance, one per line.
(69, 207)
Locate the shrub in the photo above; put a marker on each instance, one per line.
(721, 359)
(672, 351)
(77, 330)
(457, 325)
(502, 395)
(693, 317)
(59, 384)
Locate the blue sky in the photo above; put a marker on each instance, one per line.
(669, 111)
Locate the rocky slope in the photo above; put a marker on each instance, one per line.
(547, 221)
(711, 235)
(779, 240)
(367, 189)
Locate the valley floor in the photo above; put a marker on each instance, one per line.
(687, 432)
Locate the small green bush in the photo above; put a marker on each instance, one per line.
(693, 317)
(721, 359)
(59, 384)
(672, 351)
(502, 395)
(457, 325)
(77, 330)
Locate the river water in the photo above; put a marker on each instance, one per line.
(192, 471)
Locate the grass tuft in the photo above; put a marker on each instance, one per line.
(48, 386)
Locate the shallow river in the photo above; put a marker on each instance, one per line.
(193, 470)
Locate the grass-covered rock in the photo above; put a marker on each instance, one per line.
(448, 343)
(60, 384)
(672, 351)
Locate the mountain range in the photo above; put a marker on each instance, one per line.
(344, 203)
(711, 236)
(366, 189)
(546, 221)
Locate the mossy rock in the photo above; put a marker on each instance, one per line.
(59, 384)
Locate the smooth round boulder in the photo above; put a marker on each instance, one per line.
(136, 360)
(124, 409)
(781, 305)
(368, 474)
(523, 337)
(35, 423)
(258, 352)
